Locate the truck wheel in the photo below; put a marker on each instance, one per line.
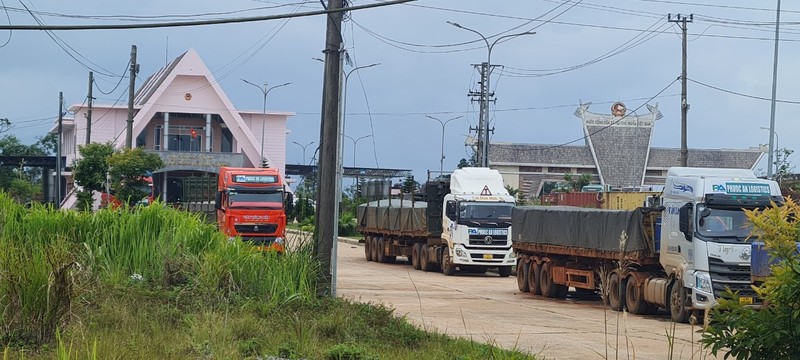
(677, 303)
(534, 275)
(549, 287)
(634, 297)
(504, 271)
(415, 257)
(616, 293)
(368, 247)
(448, 268)
(424, 260)
(522, 275)
(381, 251)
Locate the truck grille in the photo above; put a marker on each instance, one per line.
(735, 277)
(481, 240)
(256, 229)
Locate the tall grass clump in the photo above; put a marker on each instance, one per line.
(47, 257)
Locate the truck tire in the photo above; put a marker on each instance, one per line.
(415, 258)
(534, 275)
(634, 297)
(424, 259)
(368, 247)
(522, 275)
(374, 248)
(548, 286)
(677, 303)
(616, 293)
(381, 249)
(448, 268)
(504, 271)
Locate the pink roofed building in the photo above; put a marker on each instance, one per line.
(183, 115)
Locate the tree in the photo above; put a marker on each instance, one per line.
(577, 183)
(773, 331)
(782, 166)
(5, 125)
(10, 145)
(519, 197)
(409, 185)
(90, 171)
(128, 169)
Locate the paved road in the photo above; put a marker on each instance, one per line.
(490, 309)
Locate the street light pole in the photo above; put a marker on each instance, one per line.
(441, 160)
(304, 149)
(265, 90)
(771, 150)
(483, 131)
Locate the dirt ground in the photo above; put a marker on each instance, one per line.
(491, 309)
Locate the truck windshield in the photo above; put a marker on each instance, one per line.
(484, 213)
(725, 225)
(255, 199)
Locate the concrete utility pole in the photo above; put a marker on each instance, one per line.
(327, 219)
(682, 21)
(89, 111)
(58, 150)
(770, 158)
(131, 92)
(486, 74)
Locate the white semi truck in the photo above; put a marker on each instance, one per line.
(464, 224)
(681, 256)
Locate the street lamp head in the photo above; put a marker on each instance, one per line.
(454, 24)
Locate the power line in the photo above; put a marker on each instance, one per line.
(716, 6)
(197, 22)
(742, 94)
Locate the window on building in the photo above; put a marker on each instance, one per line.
(157, 139)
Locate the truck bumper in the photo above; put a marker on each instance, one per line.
(266, 243)
(483, 257)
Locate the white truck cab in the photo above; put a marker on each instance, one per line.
(704, 232)
(477, 221)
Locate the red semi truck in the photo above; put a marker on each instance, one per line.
(252, 203)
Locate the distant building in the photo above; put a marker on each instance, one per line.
(183, 115)
(616, 153)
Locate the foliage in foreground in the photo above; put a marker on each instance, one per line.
(772, 332)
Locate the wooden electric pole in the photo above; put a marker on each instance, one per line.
(682, 20)
(131, 92)
(89, 110)
(326, 218)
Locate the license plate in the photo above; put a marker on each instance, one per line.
(488, 256)
(747, 300)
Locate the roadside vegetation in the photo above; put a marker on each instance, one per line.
(154, 282)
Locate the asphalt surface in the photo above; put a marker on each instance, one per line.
(490, 309)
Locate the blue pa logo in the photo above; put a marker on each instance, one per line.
(718, 188)
(472, 231)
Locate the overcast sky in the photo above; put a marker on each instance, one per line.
(425, 68)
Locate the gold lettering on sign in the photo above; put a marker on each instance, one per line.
(193, 160)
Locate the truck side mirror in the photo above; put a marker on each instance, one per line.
(289, 206)
(450, 210)
(685, 221)
(218, 200)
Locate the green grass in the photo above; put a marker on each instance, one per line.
(158, 283)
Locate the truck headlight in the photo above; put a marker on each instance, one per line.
(703, 282)
(460, 252)
(279, 240)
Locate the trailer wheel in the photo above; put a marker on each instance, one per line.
(616, 293)
(373, 247)
(522, 275)
(534, 276)
(677, 303)
(368, 247)
(381, 249)
(504, 271)
(448, 268)
(634, 297)
(415, 257)
(549, 287)
(424, 259)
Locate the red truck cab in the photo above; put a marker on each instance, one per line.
(252, 203)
